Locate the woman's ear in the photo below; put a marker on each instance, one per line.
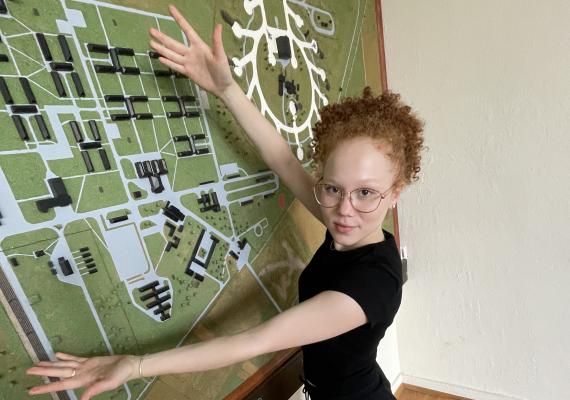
(395, 194)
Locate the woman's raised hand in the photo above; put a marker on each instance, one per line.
(96, 375)
(207, 66)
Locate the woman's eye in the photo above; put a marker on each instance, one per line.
(366, 193)
(331, 189)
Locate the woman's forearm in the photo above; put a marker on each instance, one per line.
(215, 353)
(272, 147)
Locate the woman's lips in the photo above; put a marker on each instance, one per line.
(343, 228)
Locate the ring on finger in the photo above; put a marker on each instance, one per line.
(73, 372)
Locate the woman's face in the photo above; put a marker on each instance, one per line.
(358, 163)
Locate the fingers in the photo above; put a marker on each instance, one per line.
(65, 384)
(60, 364)
(217, 45)
(167, 41)
(69, 357)
(184, 25)
(56, 372)
(172, 65)
(167, 53)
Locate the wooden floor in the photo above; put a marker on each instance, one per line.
(410, 392)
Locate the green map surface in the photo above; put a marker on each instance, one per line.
(111, 271)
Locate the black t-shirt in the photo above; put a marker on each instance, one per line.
(345, 367)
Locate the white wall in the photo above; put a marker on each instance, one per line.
(388, 357)
(486, 308)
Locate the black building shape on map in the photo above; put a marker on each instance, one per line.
(151, 293)
(60, 197)
(195, 265)
(283, 47)
(153, 170)
(209, 201)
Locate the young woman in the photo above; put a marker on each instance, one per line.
(366, 151)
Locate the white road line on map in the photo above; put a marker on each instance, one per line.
(251, 197)
(51, 244)
(27, 150)
(15, 35)
(122, 8)
(21, 255)
(227, 267)
(220, 283)
(35, 72)
(356, 51)
(163, 249)
(7, 42)
(97, 235)
(155, 134)
(100, 58)
(44, 89)
(229, 214)
(350, 49)
(91, 174)
(35, 197)
(260, 283)
(80, 193)
(174, 179)
(21, 23)
(159, 261)
(253, 185)
(362, 46)
(26, 56)
(70, 93)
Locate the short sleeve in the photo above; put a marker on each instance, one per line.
(378, 292)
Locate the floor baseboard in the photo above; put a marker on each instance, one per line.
(451, 389)
(406, 390)
(396, 384)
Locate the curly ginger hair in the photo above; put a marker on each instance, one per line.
(382, 117)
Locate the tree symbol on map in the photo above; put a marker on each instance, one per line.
(281, 44)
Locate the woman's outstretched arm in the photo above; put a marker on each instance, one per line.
(322, 317)
(208, 67)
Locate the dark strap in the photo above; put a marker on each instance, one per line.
(306, 383)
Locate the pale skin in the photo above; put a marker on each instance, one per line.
(305, 323)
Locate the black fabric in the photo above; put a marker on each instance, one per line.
(345, 367)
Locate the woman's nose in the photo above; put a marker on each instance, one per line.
(345, 206)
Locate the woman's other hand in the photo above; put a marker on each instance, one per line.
(207, 66)
(96, 374)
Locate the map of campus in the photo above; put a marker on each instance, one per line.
(135, 215)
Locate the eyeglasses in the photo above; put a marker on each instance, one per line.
(365, 200)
